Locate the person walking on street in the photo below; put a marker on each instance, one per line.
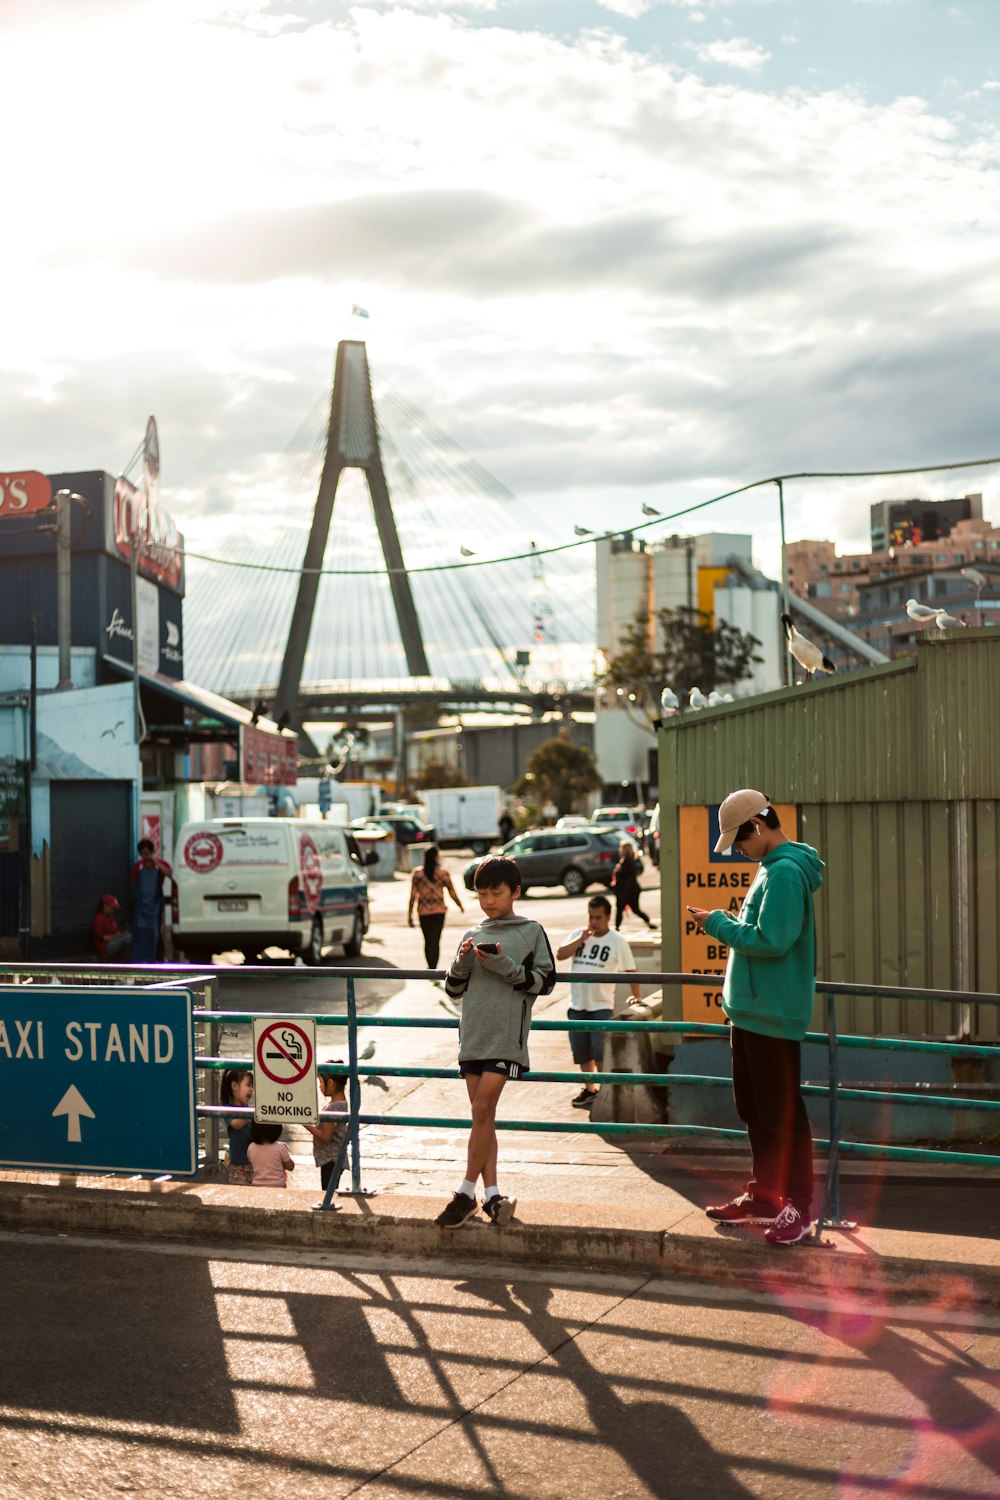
(148, 875)
(625, 881)
(595, 949)
(768, 996)
(505, 827)
(428, 884)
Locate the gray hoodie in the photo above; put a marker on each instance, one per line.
(499, 993)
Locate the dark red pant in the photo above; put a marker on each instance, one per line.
(768, 1094)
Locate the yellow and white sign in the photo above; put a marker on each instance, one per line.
(713, 882)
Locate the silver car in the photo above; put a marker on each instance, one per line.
(571, 857)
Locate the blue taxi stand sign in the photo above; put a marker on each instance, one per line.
(98, 1079)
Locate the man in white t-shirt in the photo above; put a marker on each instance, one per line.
(595, 949)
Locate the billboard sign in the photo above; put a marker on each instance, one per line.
(266, 758)
(716, 882)
(24, 493)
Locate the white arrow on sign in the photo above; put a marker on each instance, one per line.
(73, 1105)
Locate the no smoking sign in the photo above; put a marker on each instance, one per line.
(284, 1082)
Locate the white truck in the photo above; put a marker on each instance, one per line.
(466, 817)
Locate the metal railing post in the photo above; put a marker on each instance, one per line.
(354, 1084)
(830, 1213)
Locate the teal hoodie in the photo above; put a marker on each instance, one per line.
(770, 980)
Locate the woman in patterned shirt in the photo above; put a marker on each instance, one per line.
(427, 888)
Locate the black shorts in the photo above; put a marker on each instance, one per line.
(476, 1068)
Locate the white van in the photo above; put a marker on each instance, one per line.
(254, 883)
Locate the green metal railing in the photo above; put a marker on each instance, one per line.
(209, 1021)
(829, 1214)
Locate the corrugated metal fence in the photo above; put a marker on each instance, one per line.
(896, 774)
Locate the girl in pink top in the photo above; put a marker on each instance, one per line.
(269, 1156)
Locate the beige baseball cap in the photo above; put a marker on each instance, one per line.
(737, 809)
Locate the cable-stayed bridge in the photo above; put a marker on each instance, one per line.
(385, 568)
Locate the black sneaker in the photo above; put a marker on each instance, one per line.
(584, 1099)
(743, 1210)
(500, 1210)
(459, 1211)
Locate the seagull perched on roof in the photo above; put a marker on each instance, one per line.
(466, 551)
(808, 655)
(920, 612)
(583, 531)
(697, 699)
(977, 579)
(946, 621)
(650, 510)
(668, 702)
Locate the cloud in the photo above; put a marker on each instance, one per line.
(737, 52)
(607, 277)
(632, 9)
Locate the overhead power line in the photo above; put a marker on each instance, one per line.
(676, 515)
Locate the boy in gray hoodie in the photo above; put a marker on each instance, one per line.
(501, 967)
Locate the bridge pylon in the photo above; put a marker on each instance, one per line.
(352, 443)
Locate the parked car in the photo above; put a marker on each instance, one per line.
(630, 822)
(572, 820)
(572, 857)
(407, 829)
(254, 883)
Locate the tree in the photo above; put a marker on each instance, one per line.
(341, 746)
(558, 772)
(685, 652)
(439, 773)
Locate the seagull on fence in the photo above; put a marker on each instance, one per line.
(466, 551)
(697, 699)
(946, 621)
(583, 531)
(977, 579)
(808, 655)
(714, 699)
(668, 702)
(650, 510)
(920, 612)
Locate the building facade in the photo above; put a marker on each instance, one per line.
(714, 573)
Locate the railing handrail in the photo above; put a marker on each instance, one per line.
(644, 977)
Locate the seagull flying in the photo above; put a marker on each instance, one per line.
(367, 1053)
(466, 551)
(697, 699)
(977, 579)
(650, 510)
(946, 621)
(808, 655)
(668, 702)
(920, 612)
(583, 531)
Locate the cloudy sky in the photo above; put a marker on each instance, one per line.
(622, 252)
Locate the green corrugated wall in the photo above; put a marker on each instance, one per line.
(896, 773)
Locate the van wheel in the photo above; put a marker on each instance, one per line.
(312, 953)
(352, 948)
(480, 846)
(574, 882)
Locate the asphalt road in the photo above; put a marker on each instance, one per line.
(183, 1371)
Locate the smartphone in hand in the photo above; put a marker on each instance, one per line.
(488, 947)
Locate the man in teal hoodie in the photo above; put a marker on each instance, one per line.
(768, 995)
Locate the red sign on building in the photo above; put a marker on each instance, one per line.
(268, 759)
(22, 494)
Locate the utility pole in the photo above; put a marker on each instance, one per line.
(64, 558)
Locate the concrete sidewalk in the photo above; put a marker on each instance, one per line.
(671, 1238)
